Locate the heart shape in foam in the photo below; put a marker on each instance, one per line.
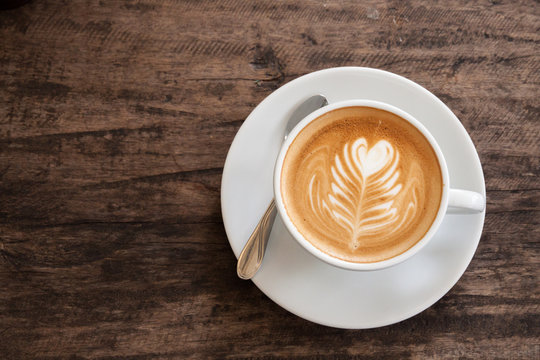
(375, 159)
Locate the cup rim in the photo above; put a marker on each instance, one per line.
(333, 260)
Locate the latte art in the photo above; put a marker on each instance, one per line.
(364, 195)
(361, 184)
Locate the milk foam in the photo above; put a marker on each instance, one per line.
(362, 195)
(361, 184)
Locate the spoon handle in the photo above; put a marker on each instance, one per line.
(251, 257)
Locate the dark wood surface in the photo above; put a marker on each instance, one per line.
(115, 120)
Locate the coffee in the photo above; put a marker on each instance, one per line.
(361, 184)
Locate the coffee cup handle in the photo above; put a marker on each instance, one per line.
(465, 202)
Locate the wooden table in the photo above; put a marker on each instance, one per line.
(115, 120)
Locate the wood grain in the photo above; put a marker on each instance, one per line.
(115, 120)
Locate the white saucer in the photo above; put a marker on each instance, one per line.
(310, 288)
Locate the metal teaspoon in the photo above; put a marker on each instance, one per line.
(251, 257)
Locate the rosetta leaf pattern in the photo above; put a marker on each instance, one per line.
(363, 195)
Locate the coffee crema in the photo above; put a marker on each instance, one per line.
(361, 184)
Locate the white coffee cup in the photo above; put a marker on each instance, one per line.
(452, 200)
